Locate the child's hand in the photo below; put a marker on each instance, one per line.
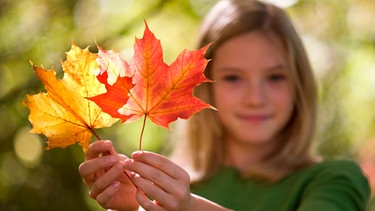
(160, 179)
(103, 173)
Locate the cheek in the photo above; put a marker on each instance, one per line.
(284, 99)
(223, 97)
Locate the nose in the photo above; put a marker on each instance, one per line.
(255, 93)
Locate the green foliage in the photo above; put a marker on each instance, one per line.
(339, 37)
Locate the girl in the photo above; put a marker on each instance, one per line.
(254, 153)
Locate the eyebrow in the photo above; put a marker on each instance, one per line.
(275, 67)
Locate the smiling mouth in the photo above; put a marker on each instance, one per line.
(254, 118)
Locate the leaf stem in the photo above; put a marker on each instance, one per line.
(142, 131)
(93, 132)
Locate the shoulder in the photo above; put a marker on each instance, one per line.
(338, 166)
(338, 169)
(336, 183)
(331, 172)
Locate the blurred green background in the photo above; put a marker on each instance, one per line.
(339, 37)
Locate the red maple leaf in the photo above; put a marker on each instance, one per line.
(161, 92)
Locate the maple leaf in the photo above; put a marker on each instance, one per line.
(161, 93)
(63, 114)
(116, 75)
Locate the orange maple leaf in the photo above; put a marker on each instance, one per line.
(63, 114)
(162, 93)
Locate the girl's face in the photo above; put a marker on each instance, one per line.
(253, 90)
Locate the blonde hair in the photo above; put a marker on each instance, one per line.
(201, 153)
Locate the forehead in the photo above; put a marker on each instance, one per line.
(253, 49)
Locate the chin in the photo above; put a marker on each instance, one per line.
(255, 140)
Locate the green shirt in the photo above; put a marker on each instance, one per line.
(327, 186)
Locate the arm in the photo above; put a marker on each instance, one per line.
(103, 173)
(166, 183)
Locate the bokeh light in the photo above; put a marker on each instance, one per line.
(28, 147)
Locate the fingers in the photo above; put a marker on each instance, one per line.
(152, 190)
(150, 173)
(104, 174)
(106, 180)
(160, 179)
(162, 163)
(97, 148)
(96, 164)
(104, 197)
(178, 200)
(90, 167)
(145, 202)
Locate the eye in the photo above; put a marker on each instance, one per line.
(277, 77)
(231, 78)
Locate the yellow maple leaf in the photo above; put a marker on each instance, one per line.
(63, 114)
